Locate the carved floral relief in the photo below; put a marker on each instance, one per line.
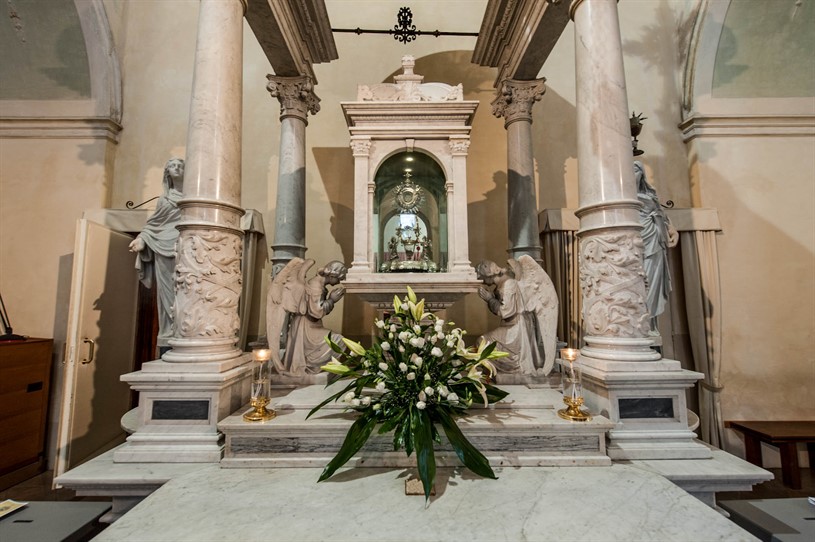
(208, 284)
(612, 280)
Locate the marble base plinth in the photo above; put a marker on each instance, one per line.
(646, 400)
(522, 430)
(179, 407)
(538, 503)
(126, 484)
(703, 478)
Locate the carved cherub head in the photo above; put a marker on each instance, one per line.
(334, 271)
(488, 271)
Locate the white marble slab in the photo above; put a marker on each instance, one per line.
(603, 503)
(522, 430)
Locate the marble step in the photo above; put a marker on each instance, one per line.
(522, 430)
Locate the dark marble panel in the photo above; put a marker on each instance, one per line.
(180, 410)
(646, 407)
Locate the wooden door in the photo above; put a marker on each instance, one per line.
(100, 345)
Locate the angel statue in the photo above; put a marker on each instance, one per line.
(525, 299)
(295, 307)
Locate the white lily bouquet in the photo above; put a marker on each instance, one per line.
(417, 374)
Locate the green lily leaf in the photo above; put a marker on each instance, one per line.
(334, 346)
(469, 455)
(357, 436)
(331, 398)
(425, 456)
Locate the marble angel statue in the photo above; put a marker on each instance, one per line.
(525, 299)
(295, 307)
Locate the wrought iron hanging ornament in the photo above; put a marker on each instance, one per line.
(404, 30)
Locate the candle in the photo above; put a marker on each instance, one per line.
(569, 354)
(261, 354)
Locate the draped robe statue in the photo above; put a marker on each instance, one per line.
(657, 236)
(155, 248)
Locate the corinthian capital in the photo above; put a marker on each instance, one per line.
(516, 98)
(295, 94)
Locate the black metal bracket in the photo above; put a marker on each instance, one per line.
(131, 205)
(404, 30)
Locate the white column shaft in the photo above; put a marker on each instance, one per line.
(611, 273)
(208, 277)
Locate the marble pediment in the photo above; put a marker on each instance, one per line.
(409, 87)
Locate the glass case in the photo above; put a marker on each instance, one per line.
(410, 215)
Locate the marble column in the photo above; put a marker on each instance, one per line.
(615, 316)
(297, 100)
(363, 203)
(208, 266)
(623, 378)
(514, 103)
(458, 248)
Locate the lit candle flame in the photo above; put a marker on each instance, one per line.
(569, 354)
(261, 354)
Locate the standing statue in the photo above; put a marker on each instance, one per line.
(155, 248)
(657, 236)
(525, 299)
(295, 307)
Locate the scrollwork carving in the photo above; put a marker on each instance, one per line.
(612, 280)
(295, 94)
(208, 284)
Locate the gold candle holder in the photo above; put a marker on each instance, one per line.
(572, 388)
(260, 388)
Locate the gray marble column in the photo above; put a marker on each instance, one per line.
(611, 273)
(297, 100)
(208, 269)
(514, 103)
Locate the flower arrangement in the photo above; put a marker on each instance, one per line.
(417, 374)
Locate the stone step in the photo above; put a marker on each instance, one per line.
(522, 430)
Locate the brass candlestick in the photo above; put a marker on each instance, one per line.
(572, 389)
(260, 388)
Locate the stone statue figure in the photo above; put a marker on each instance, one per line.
(295, 308)
(657, 236)
(525, 299)
(155, 248)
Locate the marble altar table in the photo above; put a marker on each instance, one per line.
(531, 503)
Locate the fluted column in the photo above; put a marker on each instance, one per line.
(363, 203)
(514, 103)
(208, 270)
(611, 273)
(297, 100)
(458, 249)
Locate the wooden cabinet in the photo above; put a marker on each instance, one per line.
(25, 375)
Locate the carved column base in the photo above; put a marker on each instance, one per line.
(201, 350)
(620, 349)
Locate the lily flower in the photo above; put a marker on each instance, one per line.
(335, 367)
(354, 346)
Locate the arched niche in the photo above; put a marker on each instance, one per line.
(85, 97)
(719, 54)
(410, 214)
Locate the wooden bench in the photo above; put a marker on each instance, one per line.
(783, 435)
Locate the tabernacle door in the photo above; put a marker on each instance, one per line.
(100, 345)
